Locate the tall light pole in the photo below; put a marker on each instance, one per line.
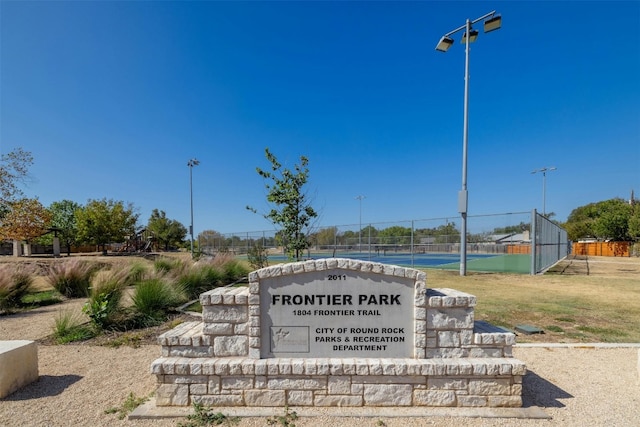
(193, 162)
(492, 22)
(360, 229)
(544, 171)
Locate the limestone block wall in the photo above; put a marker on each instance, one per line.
(453, 332)
(486, 382)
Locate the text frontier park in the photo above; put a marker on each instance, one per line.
(336, 300)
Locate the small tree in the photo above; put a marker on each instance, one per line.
(291, 210)
(64, 220)
(634, 223)
(14, 167)
(26, 219)
(105, 221)
(608, 219)
(327, 236)
(258, 256)
(168, 232)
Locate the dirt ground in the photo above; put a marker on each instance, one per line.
(599, 266)
(78, 383)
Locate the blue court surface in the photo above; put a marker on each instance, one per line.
(505, 263)
(405, 259)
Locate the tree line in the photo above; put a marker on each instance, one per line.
(614, 219)
(105, 221)
(98, 222)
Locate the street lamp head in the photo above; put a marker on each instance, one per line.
(545, 169)
(473, 35)
(493, 23)
(193, 162)
(444, 44)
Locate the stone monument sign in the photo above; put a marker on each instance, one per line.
(338, 332)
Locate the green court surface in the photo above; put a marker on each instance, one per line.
(500, 263)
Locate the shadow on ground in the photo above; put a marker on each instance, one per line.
(536, 391)
(46, 386)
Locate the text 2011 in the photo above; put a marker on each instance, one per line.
(337, 277)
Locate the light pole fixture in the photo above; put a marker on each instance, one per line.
(193, 162)
(492, 22)
(544, 171)
(360, 229)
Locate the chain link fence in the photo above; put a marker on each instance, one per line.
(496, 242)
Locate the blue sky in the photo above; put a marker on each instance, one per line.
(114, 98)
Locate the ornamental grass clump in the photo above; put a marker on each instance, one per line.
(70, 327)
(72, 278)
(234, 271)
(154, 298)
(136, 272)
(169, 266)
(15, 283)
(200, 278)
(105, 297)
(208, 274)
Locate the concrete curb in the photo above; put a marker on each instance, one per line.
(578, 345)
(150, 411)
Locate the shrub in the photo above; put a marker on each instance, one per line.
(154, 298)
(72, 278)
(104, 304)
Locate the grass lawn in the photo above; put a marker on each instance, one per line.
(603, 306)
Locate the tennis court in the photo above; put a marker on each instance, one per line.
(508, 263)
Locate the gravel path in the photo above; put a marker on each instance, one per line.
(575, 386)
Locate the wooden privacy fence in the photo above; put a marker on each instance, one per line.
(519, 249)
(602, 248)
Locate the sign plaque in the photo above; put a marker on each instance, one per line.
(337, 313)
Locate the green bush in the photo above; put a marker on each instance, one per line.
(104, 306)
(72, 278)
(154, 298)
